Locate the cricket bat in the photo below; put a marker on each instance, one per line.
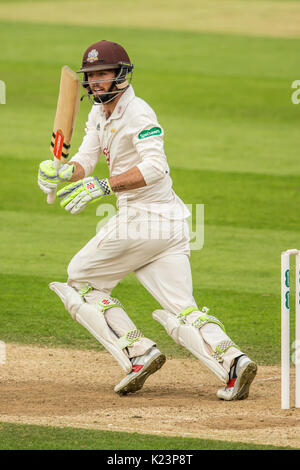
(64, 122)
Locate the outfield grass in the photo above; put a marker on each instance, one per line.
(251, 17)
(30, 437)
(232, 144)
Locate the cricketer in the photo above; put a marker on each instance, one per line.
(147, 236)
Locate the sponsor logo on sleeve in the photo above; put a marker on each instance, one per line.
(149, 132)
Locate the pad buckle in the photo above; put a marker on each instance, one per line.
(84, 290)
(221, 349)
(202, 320)
(182, 315)
(106, 303)
(129, 338)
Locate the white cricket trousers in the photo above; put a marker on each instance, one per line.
(157, 251)
(159, 257)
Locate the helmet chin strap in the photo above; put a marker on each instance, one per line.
(107, 97)
(122, 85)
(104, 99)
(97, 100)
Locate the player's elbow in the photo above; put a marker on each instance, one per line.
(154, 169)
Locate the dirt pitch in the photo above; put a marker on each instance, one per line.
(63, 387)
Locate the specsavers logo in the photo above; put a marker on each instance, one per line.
(150, 132)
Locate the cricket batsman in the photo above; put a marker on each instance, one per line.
(147, 236)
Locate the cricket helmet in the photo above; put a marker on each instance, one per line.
(107, 55)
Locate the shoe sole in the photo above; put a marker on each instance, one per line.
(245, 381)
(137, 382)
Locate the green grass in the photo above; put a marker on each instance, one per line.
(232, 144)
(30, 437)
(41, 320)
(232, 141)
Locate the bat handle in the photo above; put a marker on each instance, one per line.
(51, 196)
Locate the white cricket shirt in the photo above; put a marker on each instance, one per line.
(130, 137)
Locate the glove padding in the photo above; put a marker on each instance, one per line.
(75, 196)
(49, 177)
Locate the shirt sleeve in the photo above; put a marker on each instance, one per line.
(148, 140)
(90, 149)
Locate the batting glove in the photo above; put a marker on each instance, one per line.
(49, 177)
(77, 195)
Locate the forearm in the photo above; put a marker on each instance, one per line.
(131, 179)
(79, 172)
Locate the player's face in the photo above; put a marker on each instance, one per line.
(100, 81)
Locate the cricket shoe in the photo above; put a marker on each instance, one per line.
(241, 375)
(142, 367)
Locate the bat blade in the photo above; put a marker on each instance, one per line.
(65, 117)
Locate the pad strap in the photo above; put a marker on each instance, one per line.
(103, 304)
(106, 303)
(87, 288)
(221, 349)
(129, 338)
(182, 315)
(202, 320)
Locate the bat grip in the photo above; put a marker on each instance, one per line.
(51, 196)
